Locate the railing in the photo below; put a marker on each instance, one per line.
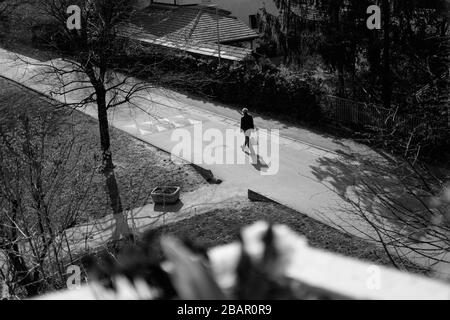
(348, 111)
(325, 271)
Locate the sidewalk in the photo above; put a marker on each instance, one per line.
(308, 179)
(96, 234)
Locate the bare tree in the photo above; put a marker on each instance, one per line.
(87, 72)
(93, 73)
(400, 205)
(42, 194)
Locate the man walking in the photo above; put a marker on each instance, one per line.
(247, 127)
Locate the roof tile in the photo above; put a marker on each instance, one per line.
(203, 48)
(197, 23)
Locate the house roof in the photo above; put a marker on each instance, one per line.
(204, 48)
(196, 23)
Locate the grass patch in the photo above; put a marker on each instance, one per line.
(222, 226)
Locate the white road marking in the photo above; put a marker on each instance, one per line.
(191, 121)
(178, 125)
(144, 132)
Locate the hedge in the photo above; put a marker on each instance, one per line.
(260, 87)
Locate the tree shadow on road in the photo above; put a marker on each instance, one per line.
(393, 198)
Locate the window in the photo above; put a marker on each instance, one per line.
(253, 21)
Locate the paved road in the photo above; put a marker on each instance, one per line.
(154, 122)
(307, 177)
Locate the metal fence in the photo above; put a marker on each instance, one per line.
(352, 112)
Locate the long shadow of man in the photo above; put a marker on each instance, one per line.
(256, 160)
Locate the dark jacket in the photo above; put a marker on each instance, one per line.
(247, 122)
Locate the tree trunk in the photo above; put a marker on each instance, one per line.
(387, 81)
(341, 79)
(22, 275)
(25, 277)
(121, 226)
(286, 40)
(105, 139)
(338, 46)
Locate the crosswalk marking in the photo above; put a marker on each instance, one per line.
(194, 121)
(161, 125)
(161, 128)
(178, 125)
(144, 132)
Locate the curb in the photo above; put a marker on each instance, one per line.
(208, 175)
(19, 84)
(258, 197)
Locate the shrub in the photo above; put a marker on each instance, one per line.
(260, 87)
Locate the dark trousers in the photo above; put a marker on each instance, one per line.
(247, 141)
